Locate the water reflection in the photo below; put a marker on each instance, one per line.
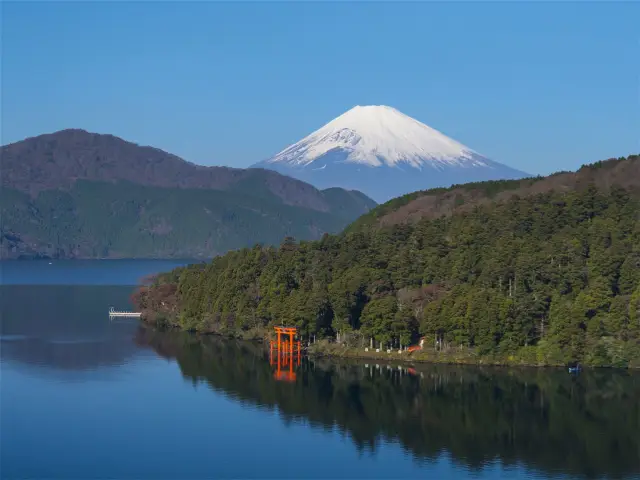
(65, 327)
(545, 419)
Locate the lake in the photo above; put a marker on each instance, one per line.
(86, 397)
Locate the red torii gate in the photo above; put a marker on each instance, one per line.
(285, 352)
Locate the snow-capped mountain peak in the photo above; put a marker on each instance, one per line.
(384, 154)
(378, 135)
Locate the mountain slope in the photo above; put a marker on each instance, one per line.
(540, 278)
(435, 203)
(123, 220)
(383, 153)
(74, 194)
(58, 159)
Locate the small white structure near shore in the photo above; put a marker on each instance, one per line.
(121, 313)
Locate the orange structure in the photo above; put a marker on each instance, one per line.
(416, 347)
(284, 353)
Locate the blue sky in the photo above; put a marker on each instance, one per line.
(538, 86)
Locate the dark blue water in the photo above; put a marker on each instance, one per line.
(82, 272)
(85, 397)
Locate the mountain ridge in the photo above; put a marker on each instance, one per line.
(434, 203)
(56, 160)
(76, 194)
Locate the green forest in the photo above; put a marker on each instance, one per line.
(545, 278)
(124, 220)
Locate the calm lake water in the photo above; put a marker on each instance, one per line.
(84, 397)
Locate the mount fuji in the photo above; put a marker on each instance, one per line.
(385, 154)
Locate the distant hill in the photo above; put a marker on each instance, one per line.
(77, 194)
(384, 153)
(58, 159)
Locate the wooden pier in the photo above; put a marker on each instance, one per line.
(120, 313)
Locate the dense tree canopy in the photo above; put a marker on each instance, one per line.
(547, 278)
(123, 220)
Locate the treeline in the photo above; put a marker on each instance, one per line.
(549, 278)
(546, 421)
(434, 203)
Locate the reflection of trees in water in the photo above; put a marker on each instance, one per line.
(72, 356)
(65, 327)
(546, 419)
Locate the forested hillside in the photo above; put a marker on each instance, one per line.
(437, 202)
(544, 278)
(123, 220)
(75, 194)
(57, 160)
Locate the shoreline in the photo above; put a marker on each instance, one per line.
(327, 350)
(425, 357)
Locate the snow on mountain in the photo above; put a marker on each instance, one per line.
(375, 136)
(383, 153)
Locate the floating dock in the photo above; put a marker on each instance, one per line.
(121, 313)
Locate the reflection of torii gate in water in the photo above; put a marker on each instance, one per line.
(284, 353)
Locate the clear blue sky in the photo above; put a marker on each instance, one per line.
(538, 86)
